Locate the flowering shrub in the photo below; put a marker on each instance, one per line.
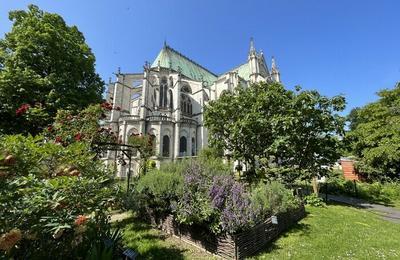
(194, 206)
(22, 109)
(233, 203)
(205, 193)
(80, 127)
(53, 199)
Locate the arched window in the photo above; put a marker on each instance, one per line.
(152, 141)
(186, 104)
(182, 146)
(193, 146)
(156, 97)
(165, 147)
(134, 133)
(171, 100)
(163, 92)
(186, 89)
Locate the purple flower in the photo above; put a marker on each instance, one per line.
(220, 190)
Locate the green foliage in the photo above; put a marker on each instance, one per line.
(375, 136)
(159, 189)
(194, 206)
(314, 201)
(82, 126)
(268, 124)
(45, 65)
(273, 198)
(378, 192)
(204, 192)
(105, 247)
(46, 159)
(57, 196)
(146, 145)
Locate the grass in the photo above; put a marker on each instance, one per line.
(333, 232)
(153, 244)
(337, 232)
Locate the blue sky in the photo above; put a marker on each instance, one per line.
(337, 47)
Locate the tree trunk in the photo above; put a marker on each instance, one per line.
(314, 183)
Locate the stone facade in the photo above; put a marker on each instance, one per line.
(167, 101)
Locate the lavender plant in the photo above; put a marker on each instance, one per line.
(232, 203)
(213, 198)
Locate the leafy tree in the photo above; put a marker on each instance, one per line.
(45, 65)
(146, 146)
(288, 134)
(70, 127)
(375, 136)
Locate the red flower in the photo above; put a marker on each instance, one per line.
(50, 128)
(106, 105)
(81, 219)
(58, 139)
(78, 136)
(22, 109)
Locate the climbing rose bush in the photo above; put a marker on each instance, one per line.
(84, 126)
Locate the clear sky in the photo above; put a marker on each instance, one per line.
(337, 47)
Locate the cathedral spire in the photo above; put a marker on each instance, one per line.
(273, 64)
(252, 48)
(276, 76)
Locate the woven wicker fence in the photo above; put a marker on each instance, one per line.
(236, 246)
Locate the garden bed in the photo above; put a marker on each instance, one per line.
(236, 246)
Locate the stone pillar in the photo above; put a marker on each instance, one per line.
(144, 103)
(176, 141)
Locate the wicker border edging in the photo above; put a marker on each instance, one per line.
(227, 246)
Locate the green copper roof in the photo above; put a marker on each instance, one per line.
(170, 58)
(243, 71)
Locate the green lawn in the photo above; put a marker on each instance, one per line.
(338, 232)
(333, 232)
(153, 244)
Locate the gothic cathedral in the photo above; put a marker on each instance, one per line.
(167, 100)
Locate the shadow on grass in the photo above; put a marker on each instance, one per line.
(148, 242)
(299, 229)
(348, 205)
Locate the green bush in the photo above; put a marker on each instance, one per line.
(158, 190)
(273, 198)
(314, 200)
(54, 199)
(205, 192)
(386, 192)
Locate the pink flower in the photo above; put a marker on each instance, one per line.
(78, 136)
(22, 109)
